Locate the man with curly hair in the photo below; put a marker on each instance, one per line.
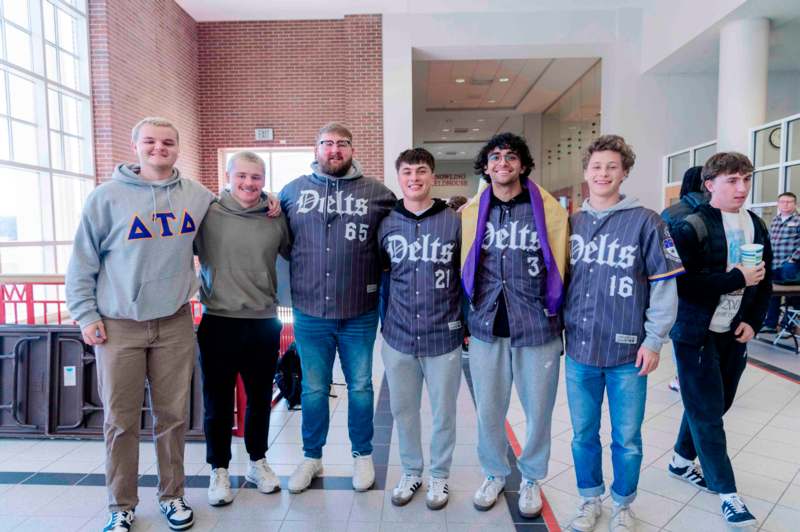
(515, 242)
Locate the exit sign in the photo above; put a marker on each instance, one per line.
(264, 133)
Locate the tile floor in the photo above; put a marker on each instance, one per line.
(763, 433)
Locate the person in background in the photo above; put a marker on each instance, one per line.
(784, 236)
(691, 196)
(456, 202)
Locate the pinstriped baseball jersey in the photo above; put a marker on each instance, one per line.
(613, 261)
(335, 265)
(423, 316)
(512, 266)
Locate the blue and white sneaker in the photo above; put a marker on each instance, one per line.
(119, 521)
(736, 513)
(179, 515)
(691, 474)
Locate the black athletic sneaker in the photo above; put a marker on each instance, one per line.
(690, 474)
(119, 521)
(179, 515)
(736, 513)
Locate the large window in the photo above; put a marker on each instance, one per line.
(775, 151)
(281, 165)
(46, 161)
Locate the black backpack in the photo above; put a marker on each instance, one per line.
(289, 376)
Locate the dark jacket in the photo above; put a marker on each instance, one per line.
(691, 196)
(706, 279)
(675, 214)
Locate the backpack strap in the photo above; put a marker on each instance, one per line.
(699, 225)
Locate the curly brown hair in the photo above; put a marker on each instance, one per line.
(611, 143)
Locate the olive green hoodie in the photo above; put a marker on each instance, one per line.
(237, 249)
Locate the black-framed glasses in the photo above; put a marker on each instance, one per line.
(338, 143)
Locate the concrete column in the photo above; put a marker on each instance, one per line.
(742, 96)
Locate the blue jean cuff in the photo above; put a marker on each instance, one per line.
(596, 491)
(623, 500)
(361, 453)
(311, 454)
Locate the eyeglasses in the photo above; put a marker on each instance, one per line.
(509, 157)
(339, 143)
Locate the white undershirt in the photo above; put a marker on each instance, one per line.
(738, 231)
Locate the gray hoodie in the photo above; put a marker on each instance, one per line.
(603, 328)
(237, 249)
(132, 257)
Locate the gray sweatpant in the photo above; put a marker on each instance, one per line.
(534, 370)
(442, 374)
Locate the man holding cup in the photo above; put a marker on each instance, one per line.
(723, 299)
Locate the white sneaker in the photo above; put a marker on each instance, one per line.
(179, 515)
(405, 489)
(260, 474)
(219, 487)
(438, 493)
(363, 473)
(301, 478)
(119, 521)
(589, 510)
(622, 519)
(487, 494)
(530, 499)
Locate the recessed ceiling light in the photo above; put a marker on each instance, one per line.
(444, 138)
(462, 153)
(460, 80)
(503, 80)
(438, 153)
(492, 101)
(481, 120)
(476, 129)
(445, 130)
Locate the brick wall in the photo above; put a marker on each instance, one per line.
(292, 76)
(143, 62)
(218, 81)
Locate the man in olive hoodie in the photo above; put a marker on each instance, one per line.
(128, 285)
(240, 333)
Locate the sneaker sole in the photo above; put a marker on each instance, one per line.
(275, 487)
(361, 490)
(532, 515)
(673, 475)
(436, 506)
(304, 488)
(401, 502)
(743, 524)
(220, 502)
(489, 507)
(183, 526)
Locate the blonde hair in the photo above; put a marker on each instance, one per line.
(153, 121)
(250, 157)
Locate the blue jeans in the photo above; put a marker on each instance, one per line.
(317, 342)
(788, 271)
(627, 392)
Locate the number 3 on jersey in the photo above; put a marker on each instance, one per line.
(350, 231)
(622, 286)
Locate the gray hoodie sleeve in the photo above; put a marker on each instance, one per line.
(84, 265)
(662, 309)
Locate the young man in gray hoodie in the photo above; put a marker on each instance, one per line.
(621, 303)
(128, 286)
(240, 332)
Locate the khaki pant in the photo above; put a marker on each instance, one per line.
(163, 352)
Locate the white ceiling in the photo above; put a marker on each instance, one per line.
(211, 10)
(454, 118)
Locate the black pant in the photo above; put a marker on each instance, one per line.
(248, 347)
(709, 376)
